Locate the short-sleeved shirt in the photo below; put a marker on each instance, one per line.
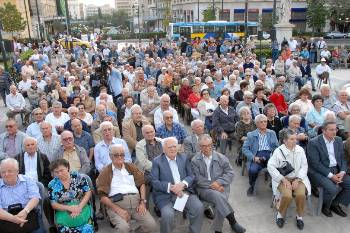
(85, 140)
(73, 159)
(22, 192)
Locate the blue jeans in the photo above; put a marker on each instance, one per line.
(255, 168)
(299, 81)
(312, 57)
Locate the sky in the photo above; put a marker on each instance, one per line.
(99, 2)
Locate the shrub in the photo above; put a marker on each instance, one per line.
(26, 55)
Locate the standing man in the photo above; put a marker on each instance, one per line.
(214, 175)
(172, 177)
(115, 82)
(4, 84)
(327, 169)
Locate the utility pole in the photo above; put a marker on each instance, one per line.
(138, 22)
(222, 9)
(214, 10)
(274, 21)
(198, 10)
(39, 24)
(2, 46)
(67, 17)
(245, 22)
(25, 8)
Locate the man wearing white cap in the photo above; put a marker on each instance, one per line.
(323, 71)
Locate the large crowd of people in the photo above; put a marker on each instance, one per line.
(162, 123)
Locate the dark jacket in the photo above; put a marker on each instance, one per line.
(223, 122)
(44, 174)
(305, 71)
(68, 126)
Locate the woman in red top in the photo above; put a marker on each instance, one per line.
(335, 57)
(193, 100)
(184, 91)
(277, 99)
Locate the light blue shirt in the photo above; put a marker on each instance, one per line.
(33, 130)
(101, 153)
(263, 143)
(314, 117)
(22, 192)
(115, 82)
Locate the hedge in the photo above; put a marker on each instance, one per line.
(144, 35)
(267, 53)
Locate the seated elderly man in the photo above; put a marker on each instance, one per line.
(172, 177)
(214, 174)
(16, 104)
(33, 129)
(327, 169)
(100, 113)
(132, 127)
(74, 154)
(121, 187)
(258, 147)
(34, 164)
(97, 134)
(248, 101)
(342, 109)
(34, 94)
(164, 106)
(48, 143)
(224, 120)
(191, 147)
(170, 128)
(150, 101)
(73, 114)
(11, 141)
(19, 196)
(147, 149)
(101, 153)
(329, 99)
(83, 138)
(57, 118)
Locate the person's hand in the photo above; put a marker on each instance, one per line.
(75, 210)
(124, 215)
(22, 214)
(177, 188)
(243, 138)
(295, 184)
(336, 179)
(340, 175)
(19, 220)
(141, 209)
(286, 184)
(256, 159)
(215, 185)
(224, 135)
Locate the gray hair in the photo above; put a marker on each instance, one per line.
(324, 86)
(294, 118)
(248, 94)
(168, 139)
(135, 107)
(165, 96)
(293, 106)
(194, 122)
(244, 109)
(167, 111)
(111, 147)
(45, 122)
(329, 114)
(259, 118)
(204, 137)
(30, 139)
(11, 161)
(106, 124)
(70, 109)
(284, 134)
(57, 104)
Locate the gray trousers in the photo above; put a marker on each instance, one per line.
(222, 206)
(194, 208)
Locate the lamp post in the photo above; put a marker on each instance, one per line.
(25, 8)
(245, 22)
(37, 12)
(137, 7)
(214, 10)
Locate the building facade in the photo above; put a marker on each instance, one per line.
(91, 10)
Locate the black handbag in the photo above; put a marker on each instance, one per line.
(287, 168)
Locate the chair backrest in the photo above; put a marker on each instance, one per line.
(43, 194)
(91, 201)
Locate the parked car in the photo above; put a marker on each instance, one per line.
(335, 35)
(83, 44)
(348, 35)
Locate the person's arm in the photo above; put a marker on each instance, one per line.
(302, 172)
(85, 162)
(91, 153)
(127, 153)
(6, 216)
(23, 102)
(142, 162)
(98, 162)
(201, 180)
(126, 129)
(272, 166)
(228, 173)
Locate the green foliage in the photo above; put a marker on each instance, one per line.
(339, 12)
(316, 15)
(209, 14)
(120, 18)
(26, 55)
(145, 35)
(11, 18)
(265, 52)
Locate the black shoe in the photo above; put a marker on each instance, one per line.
(280, 222)
(250, 191)
(336, 209)
(327, 212)
(237, 228)
(315, 192)
(209, 213)
(300, 224)
(157, 211)
(96, 226)
(53, 230)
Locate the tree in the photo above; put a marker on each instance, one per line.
(316, 15)
(11, 18)
(209, 13)
(120, 18)
(339, 14)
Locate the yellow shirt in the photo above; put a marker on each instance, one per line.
(72, 157)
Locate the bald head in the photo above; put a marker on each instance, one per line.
(30, 145)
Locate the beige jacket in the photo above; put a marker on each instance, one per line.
(129, 132)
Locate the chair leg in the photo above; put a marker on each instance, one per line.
(320, 201)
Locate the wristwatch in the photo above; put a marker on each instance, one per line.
(26, 210)
(143, 200)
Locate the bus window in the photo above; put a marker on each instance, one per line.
(241, 28)
(197, 29)
(208, 29)
(184, 30)
(220, 28)
(176, 30)
(231, 29)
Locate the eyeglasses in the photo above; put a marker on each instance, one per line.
(67, 139)
(116, 155)
(205, 93)
(9, 126)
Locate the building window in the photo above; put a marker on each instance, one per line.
(225, 15)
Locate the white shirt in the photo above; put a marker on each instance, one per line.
(54, 121)
(34, 131)
(174, 172)
(158, 117)
(24, 86)
(30, 164)
(323, 68)
(42, 84)
(207, 163)
(292, 45)
(331, 154)
(122, 182)
(15, 101)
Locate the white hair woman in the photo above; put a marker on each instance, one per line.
(291, 184)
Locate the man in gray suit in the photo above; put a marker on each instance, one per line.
(327, 169)
(214, 174)
(172, 177)
(191, 147)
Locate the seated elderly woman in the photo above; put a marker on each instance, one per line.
(293, 109)
(289, 183)
(273, 121)
(304, 101)
(243, 127)
(69, 194)
(19, 197)
(248, 101)
(277, 98)
(294, 125)
(206, 107)
(257, 148)
(315, 116)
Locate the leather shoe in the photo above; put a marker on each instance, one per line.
(237, 228)
(250, 191)
(336, 209)
(327, 212)
(209, 213)
(300, 224)
(315, 191)
(280, 222)
(157, 211)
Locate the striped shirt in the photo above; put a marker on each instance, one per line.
(24, 190)
(263, 143)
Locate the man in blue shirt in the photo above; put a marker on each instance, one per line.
(171, 128)
(115, 81)
(83, 138)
